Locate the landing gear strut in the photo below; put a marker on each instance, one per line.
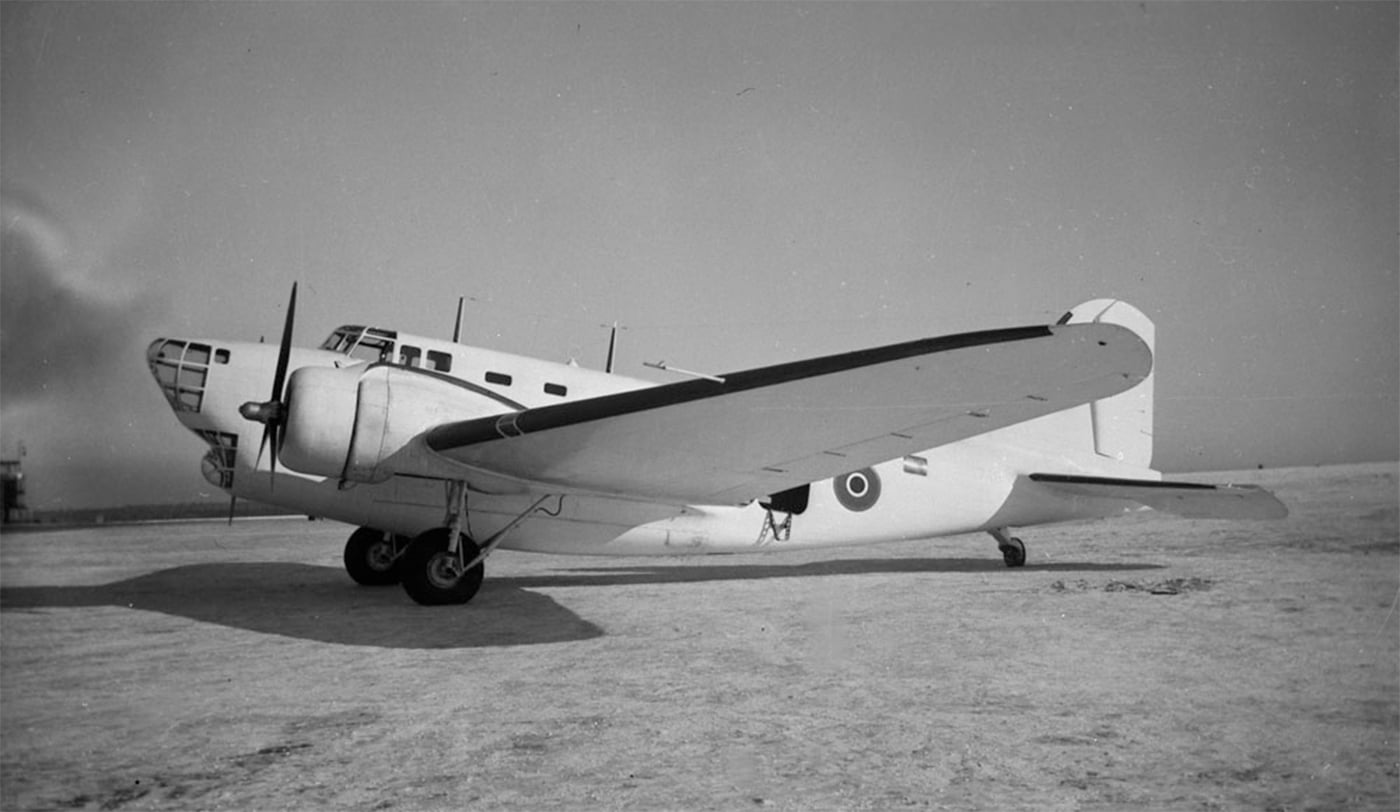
(444, 565)
(1013, 550)
(372, 556)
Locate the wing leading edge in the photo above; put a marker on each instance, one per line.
(765, 430)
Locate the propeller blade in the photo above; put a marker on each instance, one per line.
(279, 379)
(276, 431)
(267, 430)
(232, 503)
(273, 413)
(284, 351)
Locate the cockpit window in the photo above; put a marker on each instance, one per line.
(362, 343)
(343, 339)
(372, 349)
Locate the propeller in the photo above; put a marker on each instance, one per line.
(272, 413)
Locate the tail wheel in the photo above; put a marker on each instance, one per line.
(1014, 553)
(433, 576)
(371, 557)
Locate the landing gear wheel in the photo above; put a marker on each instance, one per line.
(369, 557)
(432, 576)
(1014, 553)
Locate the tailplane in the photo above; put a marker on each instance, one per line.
(1193, 500)
(1121, 424)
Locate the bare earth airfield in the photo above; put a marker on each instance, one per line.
(1146, 661)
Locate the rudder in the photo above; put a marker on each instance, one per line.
(1122, 424)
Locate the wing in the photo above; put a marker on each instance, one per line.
(1190, 499)
(761, 431)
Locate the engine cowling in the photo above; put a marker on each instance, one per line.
(320, 420)
(353, 423)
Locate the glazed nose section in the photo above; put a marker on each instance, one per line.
(181, 370)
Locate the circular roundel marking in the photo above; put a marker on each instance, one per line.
(858, 490)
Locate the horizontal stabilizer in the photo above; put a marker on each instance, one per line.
(1192, 500)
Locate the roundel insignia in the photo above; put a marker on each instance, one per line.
(858, 490)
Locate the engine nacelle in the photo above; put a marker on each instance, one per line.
(321, 407)
(348, 423)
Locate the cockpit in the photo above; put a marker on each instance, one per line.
(373, 345)
(365, 343)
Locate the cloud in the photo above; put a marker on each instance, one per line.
(53, 332)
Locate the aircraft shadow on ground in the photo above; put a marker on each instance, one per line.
(319, 603)
(660, 574)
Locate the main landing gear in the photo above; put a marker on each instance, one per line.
(430, 574)
(1013, 550)
(444, 565)
(372, 556)
(436, 572)
(433, 571)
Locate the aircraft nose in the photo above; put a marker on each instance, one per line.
(181, 370)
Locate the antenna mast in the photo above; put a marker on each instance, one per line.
(457, 328)
(612, 349)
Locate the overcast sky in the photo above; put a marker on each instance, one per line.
(738, 184)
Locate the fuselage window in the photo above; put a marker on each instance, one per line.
(221, 356)
(499, 378)
(556, 389)
(410, 356)
(439, 361)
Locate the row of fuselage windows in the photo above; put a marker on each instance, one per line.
(379, 346)
(411, 356)
(502, 379)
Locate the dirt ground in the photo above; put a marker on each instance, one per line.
(1142, 662)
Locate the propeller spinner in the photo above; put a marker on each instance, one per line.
(272, 413)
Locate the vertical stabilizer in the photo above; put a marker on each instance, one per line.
(1122, 424)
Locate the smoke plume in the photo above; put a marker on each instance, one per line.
(51, 332)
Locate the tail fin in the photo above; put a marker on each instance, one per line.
(1122, 424)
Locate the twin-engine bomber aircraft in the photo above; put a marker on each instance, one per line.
(442, 453)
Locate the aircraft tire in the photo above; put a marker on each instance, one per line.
(428, 570)
(369, 557)
(1014, 554)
